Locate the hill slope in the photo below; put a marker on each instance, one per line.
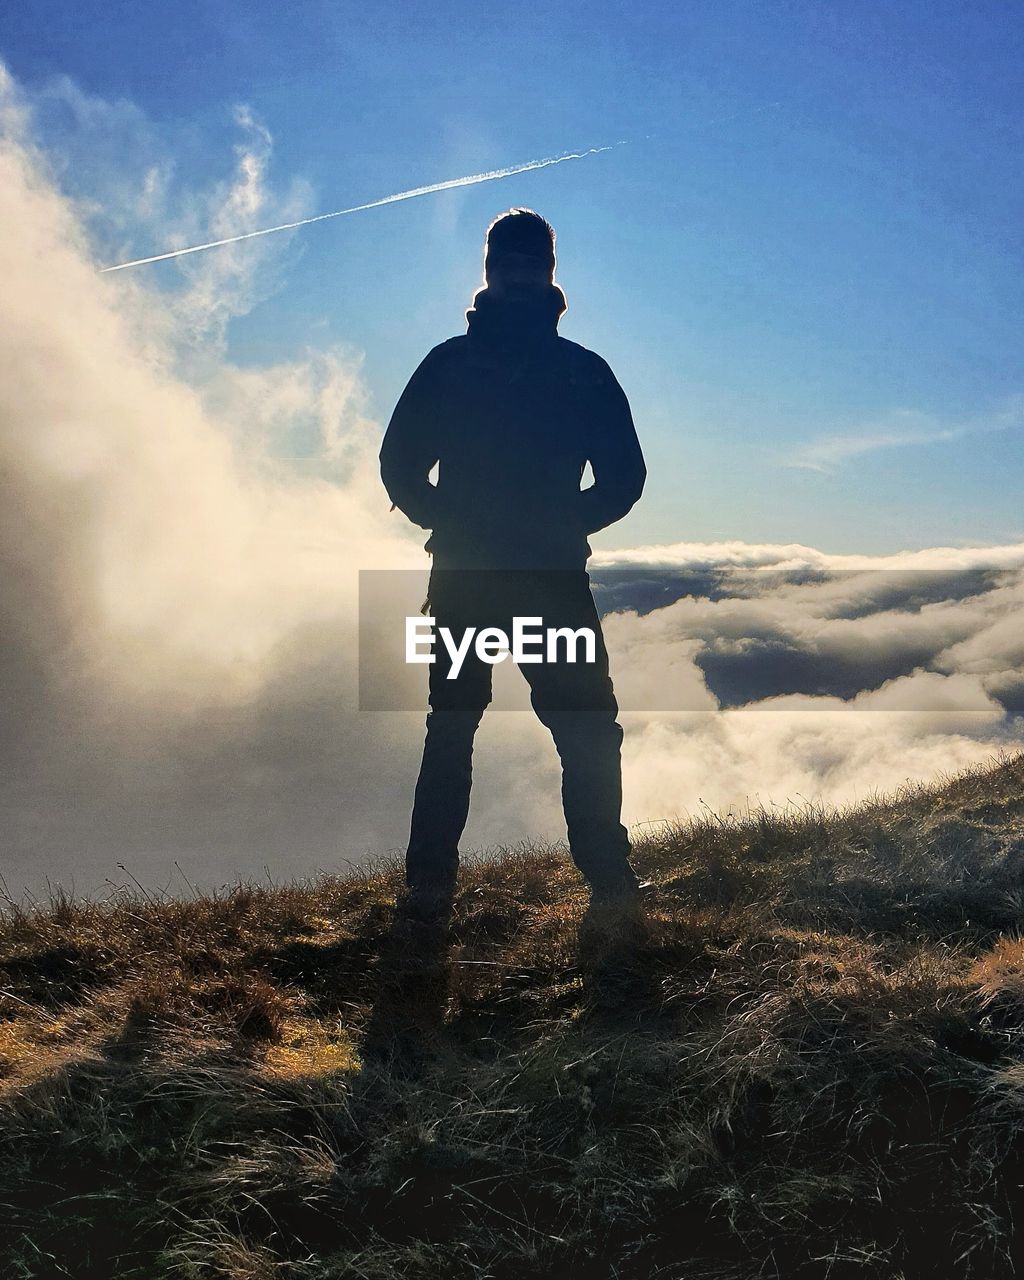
(811, 1064)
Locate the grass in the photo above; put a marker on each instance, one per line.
(810, 1064)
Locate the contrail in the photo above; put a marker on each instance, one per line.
(469, 181)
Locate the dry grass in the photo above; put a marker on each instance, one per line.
(809, 1065)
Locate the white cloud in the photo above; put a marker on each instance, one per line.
(900, 428)
(776, 557)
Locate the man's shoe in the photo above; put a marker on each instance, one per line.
(619, 894)
(427, 903)
(616, 910)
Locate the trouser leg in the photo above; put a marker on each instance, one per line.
(576, 701)
(441, 803)
(589, 749)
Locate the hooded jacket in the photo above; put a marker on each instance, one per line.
(512, 412)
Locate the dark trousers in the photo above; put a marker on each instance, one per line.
(575, 700)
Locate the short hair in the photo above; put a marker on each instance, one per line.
(521, 231)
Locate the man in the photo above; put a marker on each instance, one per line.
(511, 412)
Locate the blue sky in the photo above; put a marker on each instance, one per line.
(804, 265)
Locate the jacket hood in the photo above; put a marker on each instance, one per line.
(514, 322)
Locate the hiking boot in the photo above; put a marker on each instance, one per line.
(619, 894)
(427, 903)
(615, 910)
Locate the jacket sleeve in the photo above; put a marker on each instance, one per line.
(615, 455)
(410, 446)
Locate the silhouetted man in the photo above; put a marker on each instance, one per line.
(512, 412)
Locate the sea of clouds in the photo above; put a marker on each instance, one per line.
(178, 640)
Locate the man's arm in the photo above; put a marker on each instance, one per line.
(410, 446)
(615, 455)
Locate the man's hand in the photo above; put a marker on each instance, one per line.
(615, 455)
(410, 448)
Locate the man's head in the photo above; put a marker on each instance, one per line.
(519, 253)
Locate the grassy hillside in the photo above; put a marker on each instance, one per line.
(810, 1065)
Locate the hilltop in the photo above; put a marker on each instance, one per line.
(810, 1064)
